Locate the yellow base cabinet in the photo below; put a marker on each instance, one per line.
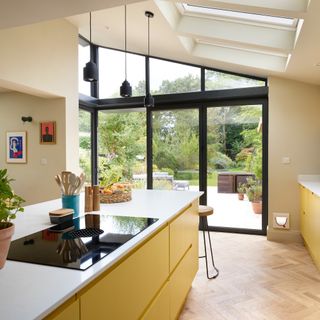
(303, 209)
(180, 283)
(310, 222)
(160, 307)
(70, 310)
(126, 291)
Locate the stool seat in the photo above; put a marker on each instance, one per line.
(205, 211)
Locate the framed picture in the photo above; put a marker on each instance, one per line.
(48, 132)
(16, 147)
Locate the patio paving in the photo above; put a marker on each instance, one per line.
(231, 212)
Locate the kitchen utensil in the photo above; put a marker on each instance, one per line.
(58, 180)
(82, 178)
(77, 185)
(65, 181)
(72, 184)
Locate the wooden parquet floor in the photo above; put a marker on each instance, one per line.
(258, 279)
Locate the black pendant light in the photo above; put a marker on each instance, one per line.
(148, 100)
(125, 89)
(90, 71)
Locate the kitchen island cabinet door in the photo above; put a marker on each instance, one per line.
(313, 228)
(127, 290)
(184, 234)
(180, 283)
(304, 210)
(70, 310)
(159, 309)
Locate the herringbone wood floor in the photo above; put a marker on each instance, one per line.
(258, 279)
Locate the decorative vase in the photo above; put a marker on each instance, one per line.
(6, 232)
(240, 196)
(257, 207)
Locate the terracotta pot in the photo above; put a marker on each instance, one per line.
(5, 238)
(257, 207)
(240, 196)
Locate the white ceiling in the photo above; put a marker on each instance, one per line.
(173, 36)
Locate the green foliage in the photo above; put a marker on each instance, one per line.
(187, 175)
(140, 89)
(242, 188)
(10, 203)
(85, 165)
(84, 121)
(121, 142)
(254, 189)
(109, 173)
(189, 83)
(85, 143)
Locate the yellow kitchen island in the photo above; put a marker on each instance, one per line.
(147, 278)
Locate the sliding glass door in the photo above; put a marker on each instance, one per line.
(234, 166)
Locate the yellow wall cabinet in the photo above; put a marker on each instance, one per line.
(310, 222)
(152, 283)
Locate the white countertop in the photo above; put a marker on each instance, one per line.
(311, 182)
(31, 291)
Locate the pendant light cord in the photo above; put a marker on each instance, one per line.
(125, 41)
(148, 35)
(90, 27)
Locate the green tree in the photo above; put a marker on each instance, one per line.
(121, 140)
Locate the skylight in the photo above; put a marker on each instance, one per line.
(250, 17)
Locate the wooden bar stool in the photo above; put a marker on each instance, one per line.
(204, 212)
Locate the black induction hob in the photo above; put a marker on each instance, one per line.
(78, 243)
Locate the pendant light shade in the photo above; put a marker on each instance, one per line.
(90, 71)
(148, 100)
(125, 89)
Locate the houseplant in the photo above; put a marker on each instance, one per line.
(241, 191)
(10, 205)
(254, 194)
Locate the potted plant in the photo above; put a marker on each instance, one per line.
(241, 191)
(254, 194)
(10, 205)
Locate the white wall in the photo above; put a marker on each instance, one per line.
(294, 131)
(33, 181)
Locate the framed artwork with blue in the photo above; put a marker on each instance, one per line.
(16, 147)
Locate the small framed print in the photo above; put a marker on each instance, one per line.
(16, 147)
(48, 132)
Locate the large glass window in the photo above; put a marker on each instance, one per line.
(85, 143)
(122, 147)
(83, 58)
(112, 73)
(176, 149)
(215, 80)
(170, 77)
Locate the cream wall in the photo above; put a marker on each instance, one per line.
(33, 180)
(42, 60)
(294, 131)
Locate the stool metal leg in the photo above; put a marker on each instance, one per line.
(204, 230)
